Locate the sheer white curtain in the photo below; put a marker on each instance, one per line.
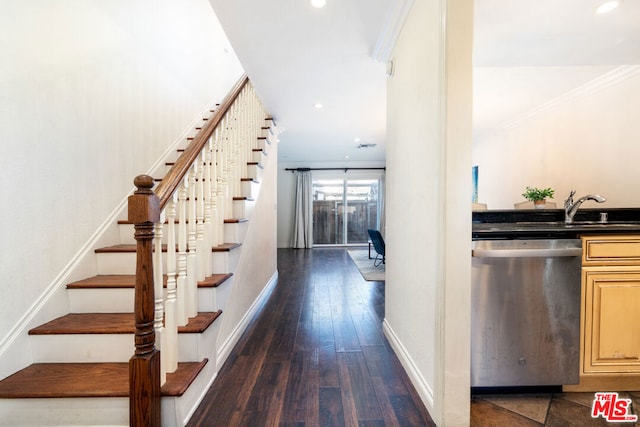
(303, 216)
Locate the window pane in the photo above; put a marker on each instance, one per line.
(328, 212)
(362, 209)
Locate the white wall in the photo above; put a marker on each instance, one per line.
(428, 216)
(92, 92)
(287, 189)
(586, 140)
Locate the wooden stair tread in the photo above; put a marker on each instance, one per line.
(249, 180)
(117, 248)
(115, 281)
(226, 247)
(112, 323)
(235, 220)
(46, 380)
(239, 198)
(127, 248)
(214, 280)
(127, 281)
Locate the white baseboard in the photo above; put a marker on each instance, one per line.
(418, 381)
(234, 337)
(203, 393)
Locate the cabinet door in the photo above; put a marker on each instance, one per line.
(612, 320)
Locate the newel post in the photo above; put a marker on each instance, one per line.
(144, 365)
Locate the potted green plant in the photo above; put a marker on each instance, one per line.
(538, 195)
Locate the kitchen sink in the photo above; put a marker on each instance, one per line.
(598, 224)
(556, 226)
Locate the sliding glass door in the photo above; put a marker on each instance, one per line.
(343, 210)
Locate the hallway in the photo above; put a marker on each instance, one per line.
(315, 355)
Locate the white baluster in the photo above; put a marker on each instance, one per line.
(208, 207)
(192, 264)
(233, 164)
(181, 309)
(215, 171)
(158, 320)
(170, 317)
(222, 183)
(242, 128)
(203, 258)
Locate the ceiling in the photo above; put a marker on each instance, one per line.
(525, 54)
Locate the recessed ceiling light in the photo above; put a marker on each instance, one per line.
(318, 3)
(318, 105)
(346, 157)
(356, 139)
(607, 6)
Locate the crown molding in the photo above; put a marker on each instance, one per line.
(604, 81)
(391, 30)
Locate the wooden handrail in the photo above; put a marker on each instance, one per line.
(172, 179)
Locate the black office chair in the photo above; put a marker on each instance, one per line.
(378, 245)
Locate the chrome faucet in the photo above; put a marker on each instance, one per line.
(570, 208)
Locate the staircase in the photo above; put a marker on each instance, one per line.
(81, 374)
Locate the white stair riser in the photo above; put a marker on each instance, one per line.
(127, 232)
(226, 262)
(118, 300)
(259, 156)
(266, 132)
(235, 232)
(265, 144)
(250, 189)
(68, 412)
(96, 348)
(77, 348)
(195, 347)
(243, 208)
(125, 262)
(218, 298)
(101, 300)
(120, 262)
(255, 172)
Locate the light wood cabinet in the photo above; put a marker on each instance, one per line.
(610, 250)
(611, 321)
(610, 332)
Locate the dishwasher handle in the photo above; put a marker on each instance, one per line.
(526, 253)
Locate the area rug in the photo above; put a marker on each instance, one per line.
(365, 265)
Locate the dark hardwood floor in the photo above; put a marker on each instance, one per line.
(315, 355)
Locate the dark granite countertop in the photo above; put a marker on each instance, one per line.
(549, 223)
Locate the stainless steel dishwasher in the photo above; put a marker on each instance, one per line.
(525, 312)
